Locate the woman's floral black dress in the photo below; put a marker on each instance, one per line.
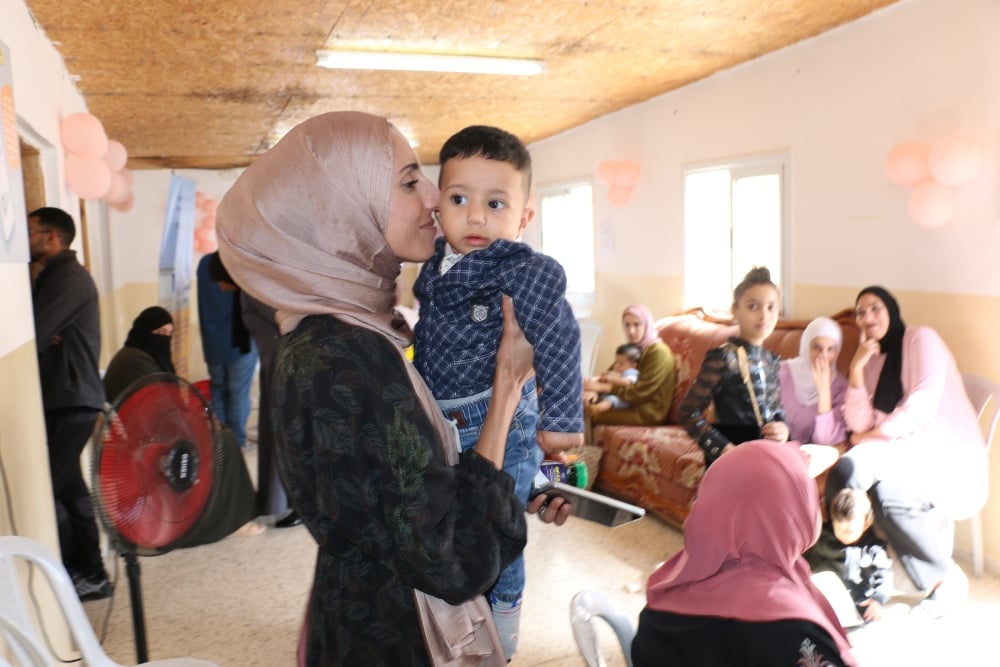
(359, 459)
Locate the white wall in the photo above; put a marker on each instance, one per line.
(135, 237)
(837, 104)
(43, 93)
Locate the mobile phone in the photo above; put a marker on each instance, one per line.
(589, 505)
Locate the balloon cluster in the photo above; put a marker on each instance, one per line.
(620, 176)
(95, 166)
(934, 170)
(204, 236)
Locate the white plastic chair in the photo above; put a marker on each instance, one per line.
(14, 609)
(590, 338)
(26, 652)
(985, 397)
(583, 608)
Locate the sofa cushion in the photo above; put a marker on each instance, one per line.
(656, 468)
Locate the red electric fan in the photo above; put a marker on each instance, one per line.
(155, 463)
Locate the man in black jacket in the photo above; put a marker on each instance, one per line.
(68, 337)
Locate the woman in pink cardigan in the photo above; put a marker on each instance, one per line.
(812, 391)
(916, 444)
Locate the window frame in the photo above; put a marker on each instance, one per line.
(758, 164)
(581, 302)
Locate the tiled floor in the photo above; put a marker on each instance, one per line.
(239, 602)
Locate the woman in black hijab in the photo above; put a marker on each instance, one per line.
(916, 446)
(146, 350)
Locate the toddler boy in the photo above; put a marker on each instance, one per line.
(849, 548)
(624, 372)
(485, 183)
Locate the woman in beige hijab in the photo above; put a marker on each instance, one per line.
(410, 532)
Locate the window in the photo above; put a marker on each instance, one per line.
(734, 219)
(564, 230)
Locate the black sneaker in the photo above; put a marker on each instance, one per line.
(289, 520)
(93, 587)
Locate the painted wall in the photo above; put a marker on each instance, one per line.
(836, 104)
(135, 248)
(43, 93)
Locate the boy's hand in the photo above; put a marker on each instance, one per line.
(873, 610)
(554, 443)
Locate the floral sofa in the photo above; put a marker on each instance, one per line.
(659, 467)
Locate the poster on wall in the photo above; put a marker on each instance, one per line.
(13, 217)
(176, 262)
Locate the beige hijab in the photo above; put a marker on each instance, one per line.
(303, 230)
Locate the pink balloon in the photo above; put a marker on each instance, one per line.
(128, 176)
(88, 176)
(208, 206)
(906, 163)
(619, 196)
(203, 234)
(932, 205)
(954, 160)
(208, 222)
(621, 173)
(119, 191)
(206, 245)
(199, 199)
(83, 134)
(125, 206)
(116, 157)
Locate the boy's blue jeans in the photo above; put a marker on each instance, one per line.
(521, 461)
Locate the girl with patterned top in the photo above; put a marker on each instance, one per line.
(740, 376)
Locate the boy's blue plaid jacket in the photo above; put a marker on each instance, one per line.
(461, 322)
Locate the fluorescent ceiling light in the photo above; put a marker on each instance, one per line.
(427, 62)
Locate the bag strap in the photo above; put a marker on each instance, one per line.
(744, 364)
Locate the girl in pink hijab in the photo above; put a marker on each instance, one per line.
(651, 396)
(739, 593)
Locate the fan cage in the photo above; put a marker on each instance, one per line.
(156, 457)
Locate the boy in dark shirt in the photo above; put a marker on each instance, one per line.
(849, 548)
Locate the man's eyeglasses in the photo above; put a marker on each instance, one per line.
(38, 231)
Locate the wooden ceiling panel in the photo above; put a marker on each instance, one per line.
(184, 83)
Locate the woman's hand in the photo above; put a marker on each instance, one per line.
(866, 350)
(596, 385)
(515, 356)
(823, 378)
(589, 397)
(777, 431)
(556, 510)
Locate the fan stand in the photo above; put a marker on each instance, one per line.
(153, 437)
(135, 598)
